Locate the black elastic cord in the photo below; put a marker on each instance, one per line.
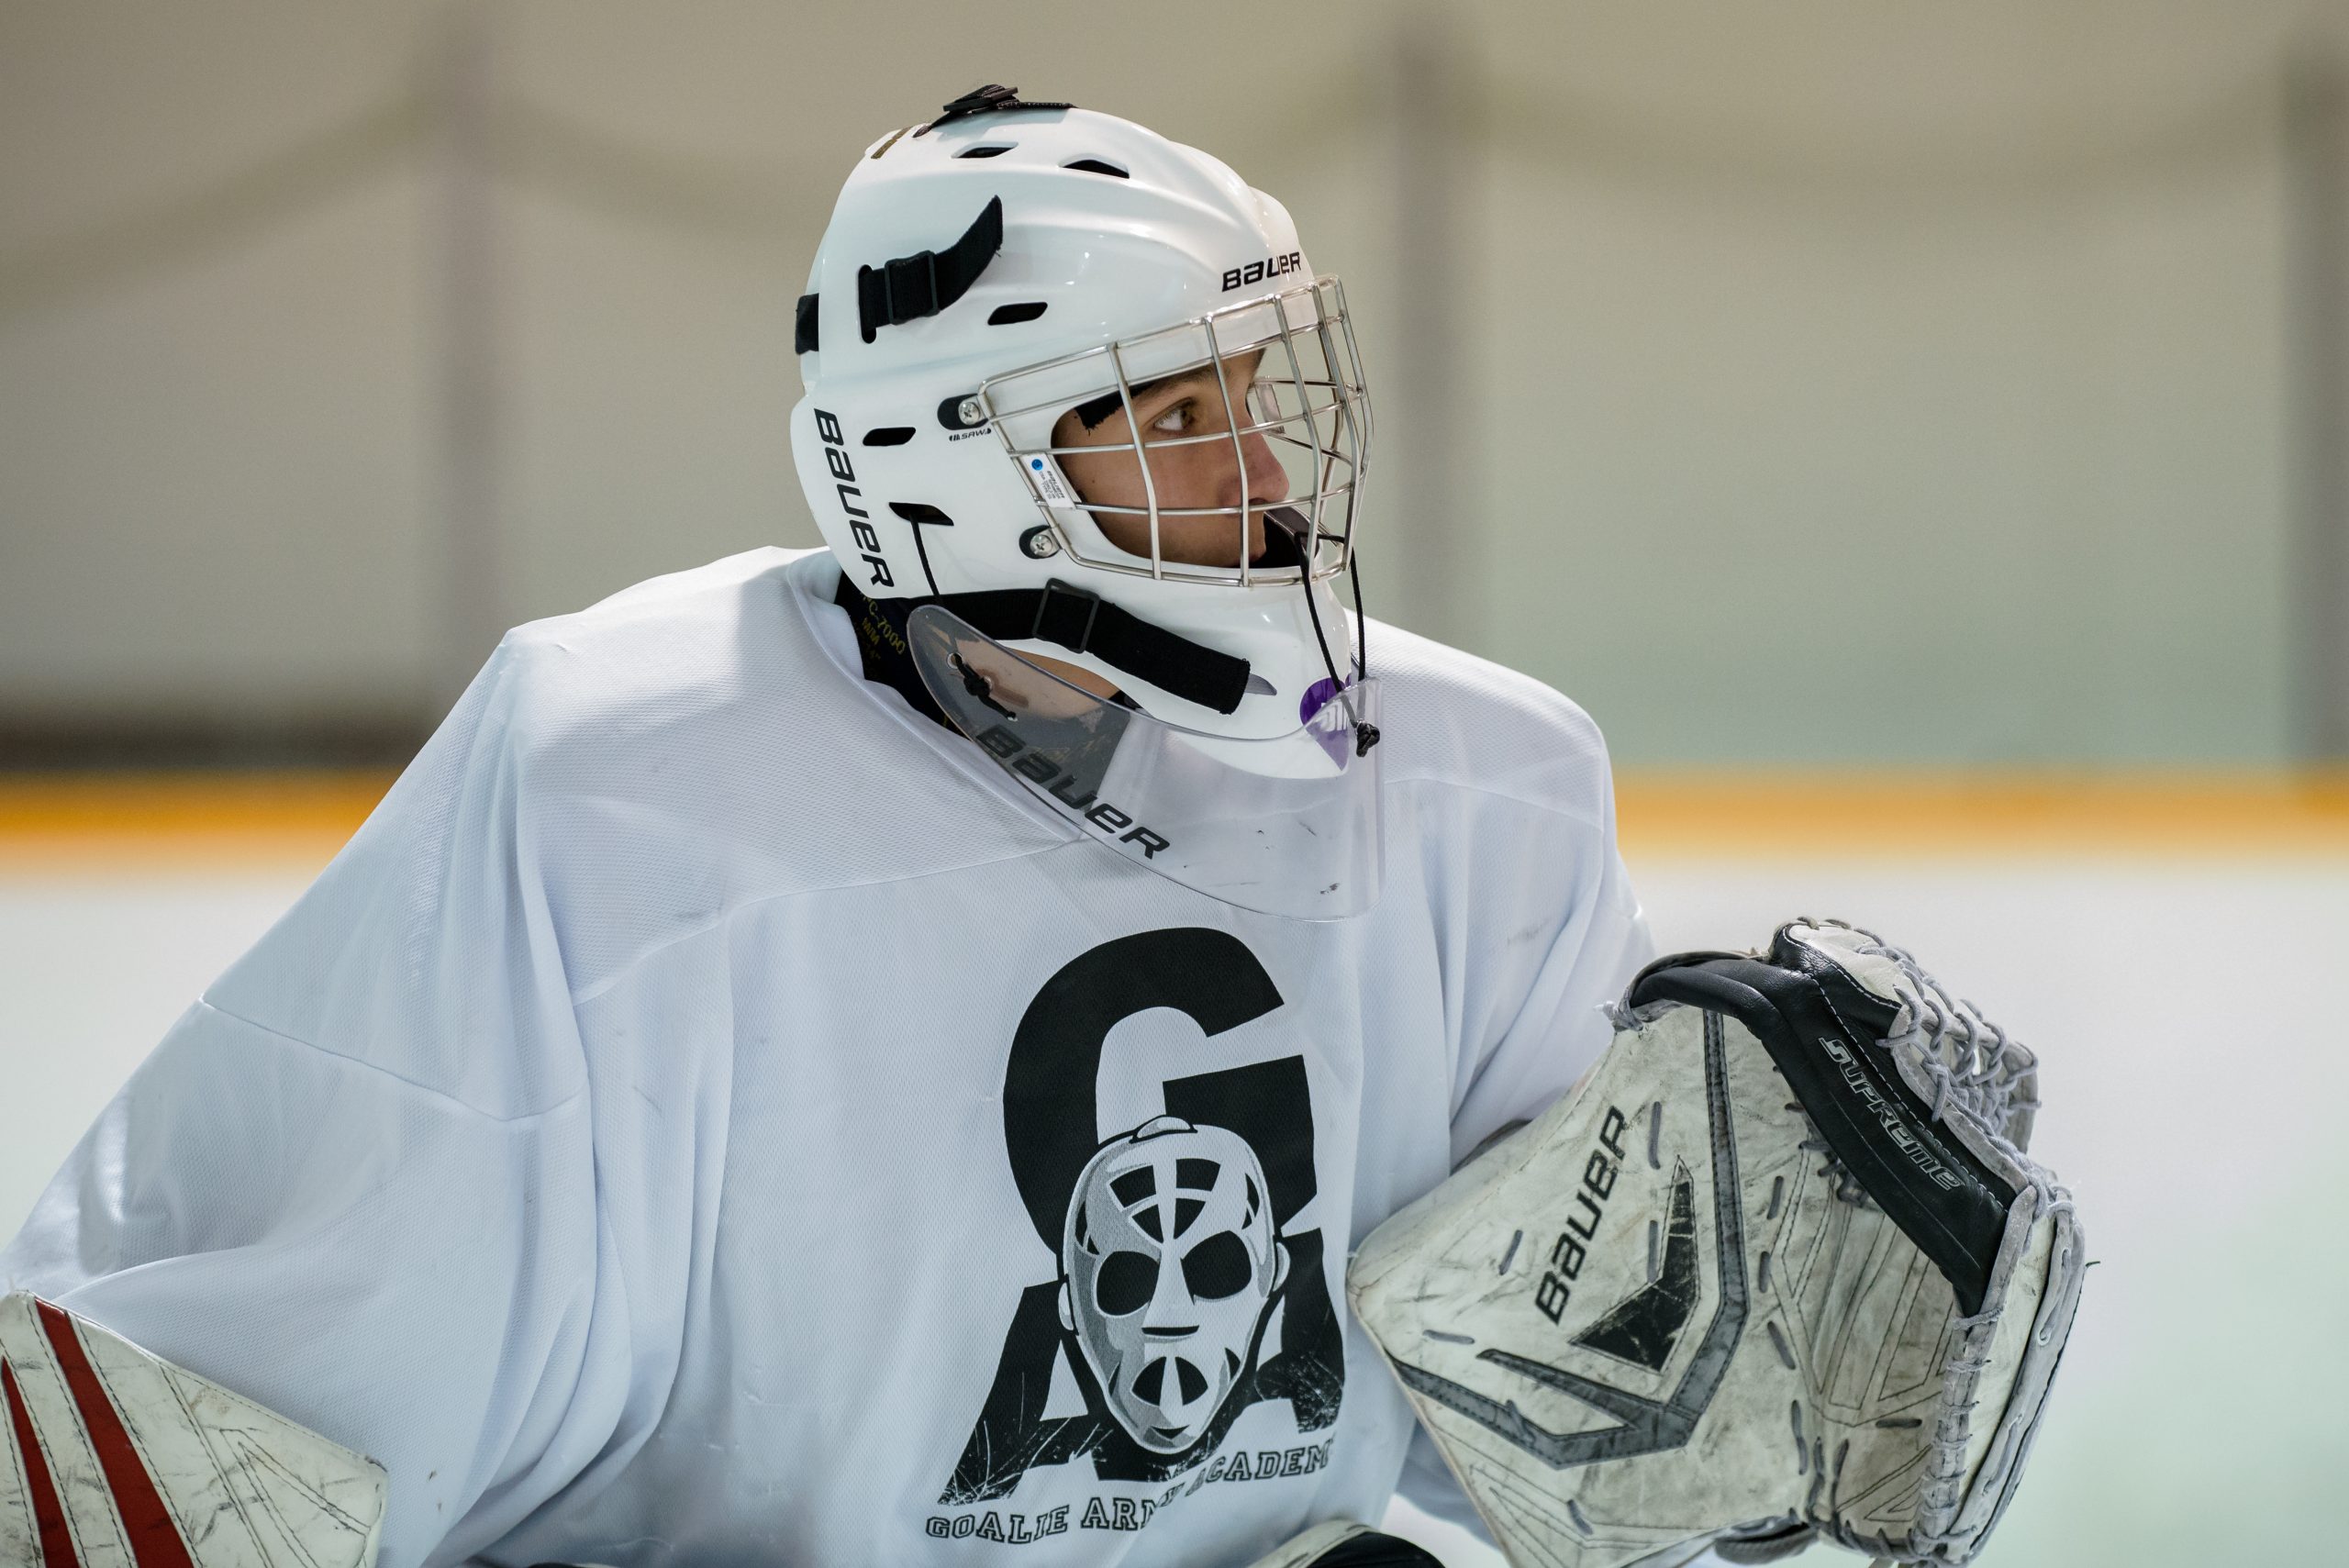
(1361, 621)
(1365, 735)
(979, 686)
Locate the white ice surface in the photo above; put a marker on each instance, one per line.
(2193, 1074)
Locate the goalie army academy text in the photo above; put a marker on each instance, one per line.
(1129, 1513)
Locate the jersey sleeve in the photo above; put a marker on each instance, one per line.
(1597, 939)
(357, 1183)
(1551, 930)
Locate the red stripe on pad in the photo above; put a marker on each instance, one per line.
(48, 1513)
(154, 1539)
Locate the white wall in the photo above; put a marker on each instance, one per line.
(1943, 347)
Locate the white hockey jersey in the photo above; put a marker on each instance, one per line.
(658, 1137)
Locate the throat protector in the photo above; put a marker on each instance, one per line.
(1287, 825)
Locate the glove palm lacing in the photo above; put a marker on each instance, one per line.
(1994, 1079)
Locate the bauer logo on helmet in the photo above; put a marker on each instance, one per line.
(1257, 272)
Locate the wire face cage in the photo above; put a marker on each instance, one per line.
(1229, 449)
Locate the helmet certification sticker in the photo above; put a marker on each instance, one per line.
(1046, 476)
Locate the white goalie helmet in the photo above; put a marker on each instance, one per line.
(1008, 268)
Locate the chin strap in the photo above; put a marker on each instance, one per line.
(1064, 616)
(1084, 622)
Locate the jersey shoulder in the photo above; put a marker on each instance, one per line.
(675, 672)
(1463, 723)
(689, 745)
(666, 638)
(614, 783)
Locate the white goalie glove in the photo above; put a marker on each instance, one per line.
(1779, 1269)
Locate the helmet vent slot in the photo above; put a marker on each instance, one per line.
(987, 149)
(1094, 166)
(1005, 315)
(889, 436)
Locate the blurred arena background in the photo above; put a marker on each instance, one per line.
(1918, 434)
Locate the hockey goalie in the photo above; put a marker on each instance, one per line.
(881, 1054)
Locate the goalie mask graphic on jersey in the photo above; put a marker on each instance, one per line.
(1074, 387)
(1187, 1286)
(1169, 1266)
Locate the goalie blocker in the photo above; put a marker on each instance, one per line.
(1779, 1269)
(110, 1455)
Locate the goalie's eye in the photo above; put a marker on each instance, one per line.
(1176, 420)
(1124, 1284)
(1217, 1267)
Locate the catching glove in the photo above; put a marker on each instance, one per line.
(1779, 1269)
